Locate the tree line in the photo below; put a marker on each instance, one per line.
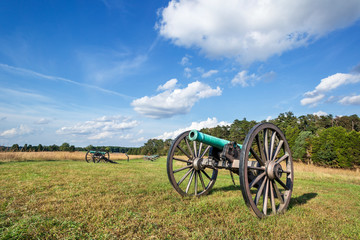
(321, 140)
(63, 147)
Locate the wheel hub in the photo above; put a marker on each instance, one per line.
(273, 170)
(198, 164)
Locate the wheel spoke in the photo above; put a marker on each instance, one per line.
(206, 175)
(272, 144)
(256, 180)
(200, 148)
(183, 168)
(195, 151)
(189, 148)
(183, 178)
(260, 161)
(266, 144)
(258, 168)
(260, 191)
(278, 194)
(282, 158)
(260, 148)
(202, 180)
(266, 194)
(282, 183)
(207, 149)
(196, 182)
(278, 148)
(182, 160)
(272, 199)
(190, 180)
(183, 151)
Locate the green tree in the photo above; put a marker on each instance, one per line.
(72, 148)
(285, 120)
(336, 147)
(239, 129)
(14, 148)
(348, 122)
(291, 134)
(152, 146)
(64, 147)
(24, 148)
(54, 148)
(308, 123)
(301, 149)
(40, 148)
(348, 153)
(90, 147)
(325, 121)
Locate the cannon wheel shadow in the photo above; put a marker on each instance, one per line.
(300, 200)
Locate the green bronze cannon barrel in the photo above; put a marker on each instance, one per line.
(219, 143)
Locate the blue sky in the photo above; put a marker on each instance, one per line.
(116, 72)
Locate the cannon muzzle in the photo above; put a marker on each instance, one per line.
(218, 143)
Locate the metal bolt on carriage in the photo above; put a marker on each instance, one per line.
(263, 163)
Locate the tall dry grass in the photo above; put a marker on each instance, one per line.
(330, 175)
(54, 156)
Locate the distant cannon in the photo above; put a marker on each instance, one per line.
(98, 156)
(263, 163)
(151, 157)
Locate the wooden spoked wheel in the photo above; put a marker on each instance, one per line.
(96, 157)
(101, 157)
(266, 170)
(89, 157)
(184, 168)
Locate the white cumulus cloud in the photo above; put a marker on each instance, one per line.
(208, 123)
(350, 100)
(335, 81)
(313, 101)
(101, 128)
(252, 30)
(245, 79)
(174, 101)
(18, 131)
(42, 121)
(168, 85)
(320, 113)
(209, 73)
(327, 84)
(185, 60)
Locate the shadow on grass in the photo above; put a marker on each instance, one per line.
(226, 189)
(301, 199)
(293, 202)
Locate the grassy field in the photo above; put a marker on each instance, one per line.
(67, 199)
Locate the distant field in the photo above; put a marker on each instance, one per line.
(77, 200)
(47, 156)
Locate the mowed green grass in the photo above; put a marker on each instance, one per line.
(134, 200)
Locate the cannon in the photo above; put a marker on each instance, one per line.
(151, 157)
(263, 162)
(98, 156)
